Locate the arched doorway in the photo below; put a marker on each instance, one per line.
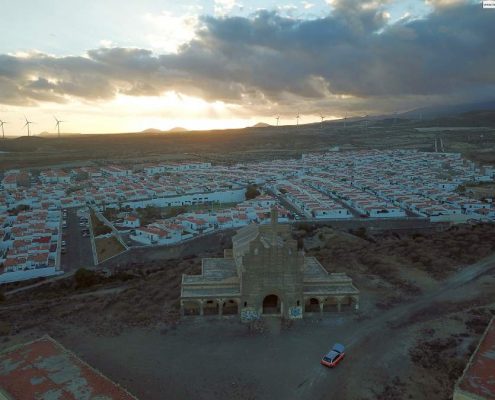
(210, 307)
(271, 304)
(191, 308)
(230, 307)
(313, 305)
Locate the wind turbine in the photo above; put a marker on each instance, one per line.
(297, 119)
(2, 123)
(57, 125)
(27, 124)
(322, 118)
(277, 118)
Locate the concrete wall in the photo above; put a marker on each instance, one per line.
(227, 196)
(29, 274)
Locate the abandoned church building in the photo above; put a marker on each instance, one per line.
(265, 274)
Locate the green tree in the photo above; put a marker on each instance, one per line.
(252, 192)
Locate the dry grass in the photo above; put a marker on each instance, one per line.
(142, 296)
(436, 254)
(99, 228)
(108, 247)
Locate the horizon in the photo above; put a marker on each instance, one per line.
(207, 65)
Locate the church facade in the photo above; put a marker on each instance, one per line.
(264, 274)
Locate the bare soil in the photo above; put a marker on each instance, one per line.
(249, 144)
(416, 327)
(108, 247)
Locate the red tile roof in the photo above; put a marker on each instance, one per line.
(45, 368)
(479, 376)
(43, 239)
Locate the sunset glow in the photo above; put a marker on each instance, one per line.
(222, 64)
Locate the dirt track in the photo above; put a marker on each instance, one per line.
(221, 359)
(378, 335)
(119, 328)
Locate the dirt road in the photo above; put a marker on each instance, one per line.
(376, 336)
(220, 359)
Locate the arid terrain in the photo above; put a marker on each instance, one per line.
(249, 144)
(425, 300)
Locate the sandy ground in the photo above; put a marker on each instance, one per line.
(222, 359)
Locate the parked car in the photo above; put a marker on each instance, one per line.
(334, 356)
(64, 250)
(64, 243)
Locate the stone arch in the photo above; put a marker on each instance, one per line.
(346, 303)
(191, 307)
(272, 304)
(330, 304)
(210, 307)
(312, 304)
(230, 307)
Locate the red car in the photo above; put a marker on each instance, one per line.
(334, 356)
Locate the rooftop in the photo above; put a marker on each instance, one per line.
(213, 270)
(44, 369)
(479, 376)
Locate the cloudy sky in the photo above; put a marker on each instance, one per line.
(120, 66)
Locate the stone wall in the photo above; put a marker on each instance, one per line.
(273, 270)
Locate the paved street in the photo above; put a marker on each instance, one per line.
(78, 247)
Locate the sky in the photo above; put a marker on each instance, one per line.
(105, 66)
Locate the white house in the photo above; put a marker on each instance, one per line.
(131, 221)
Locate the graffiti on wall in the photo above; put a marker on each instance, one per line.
(295, 312)
(249, 314)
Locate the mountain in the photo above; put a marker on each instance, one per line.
(442, 111)
(261, 125)
(178, 129)
(152, 130)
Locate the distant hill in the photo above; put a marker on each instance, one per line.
(468, 119)
(175, 129)
(152, 130)
(443, 111)
(261, 125)
(51, 134)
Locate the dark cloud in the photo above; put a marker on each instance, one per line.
(272, 60)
